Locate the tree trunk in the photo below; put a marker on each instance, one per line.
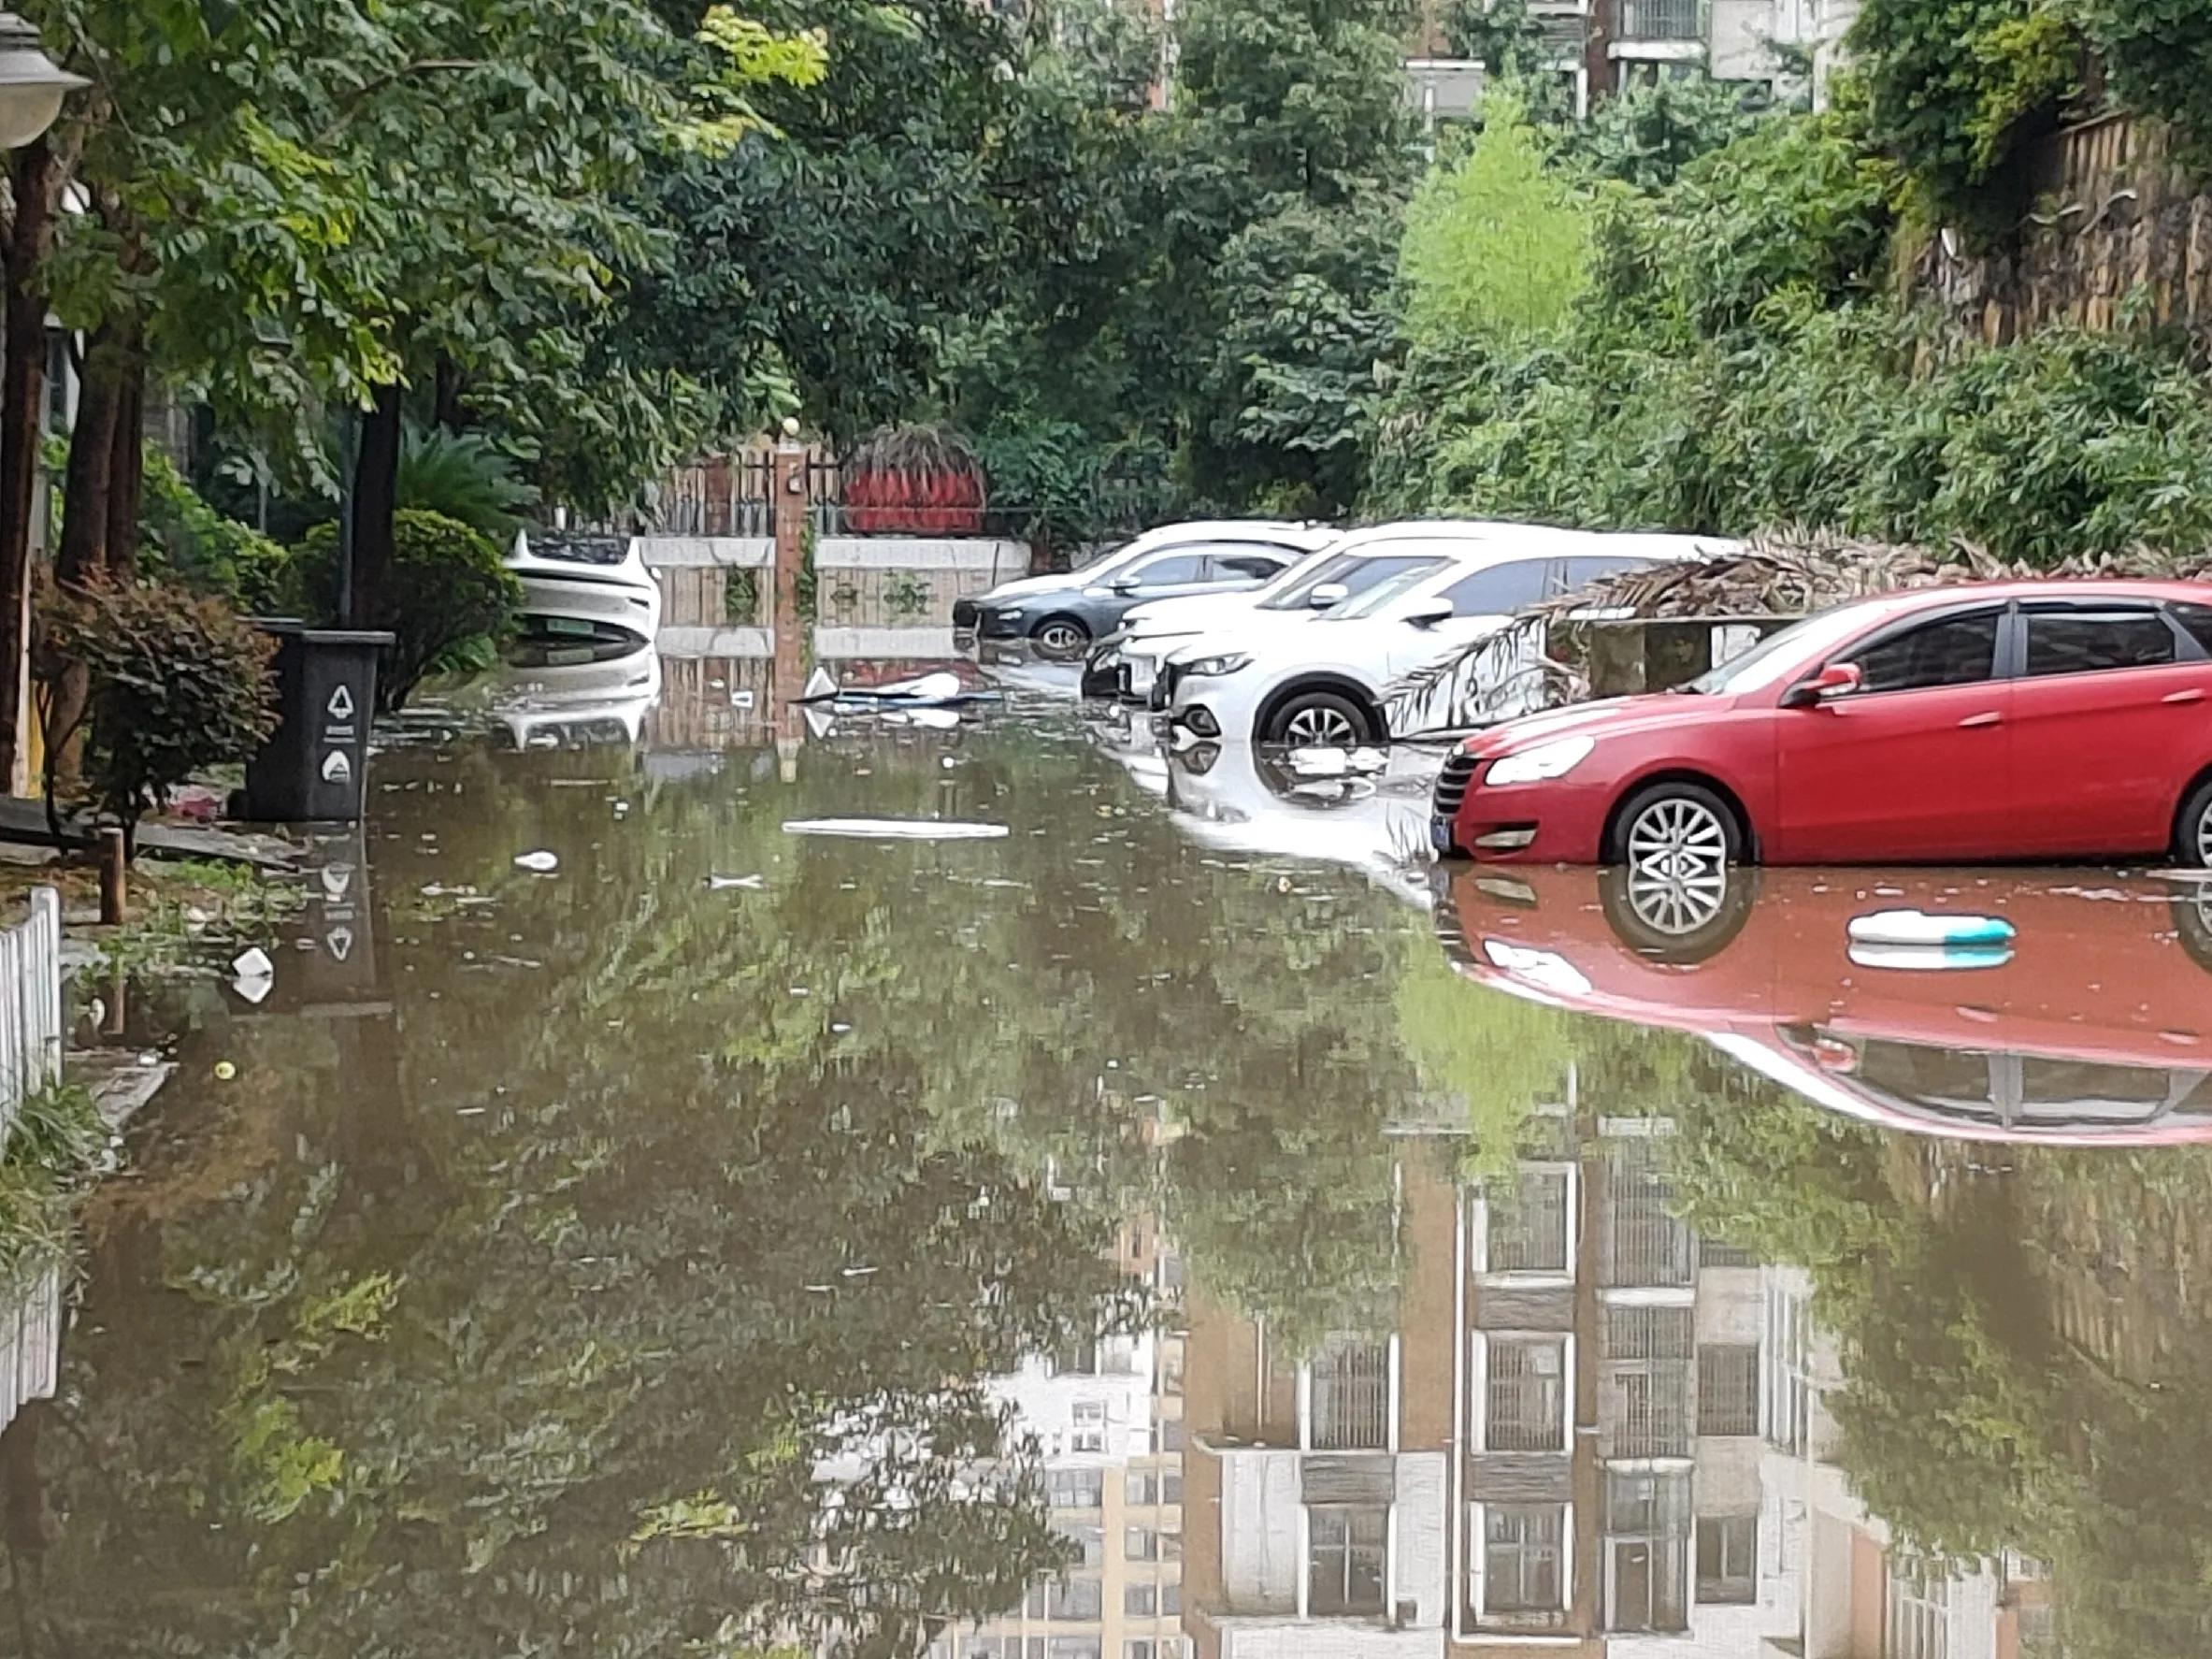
(376, 488)
(99, 520)
(126, 480)
(87, 484)
(22, 375)
(446, 410)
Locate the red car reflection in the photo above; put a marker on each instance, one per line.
(2092, 1027)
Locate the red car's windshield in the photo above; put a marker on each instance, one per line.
(1778, 655)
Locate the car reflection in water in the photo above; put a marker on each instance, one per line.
(1125, 737)
(1323, 806)
(577, 696)
(2091, 1027)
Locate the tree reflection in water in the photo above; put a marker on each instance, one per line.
(632, 1282)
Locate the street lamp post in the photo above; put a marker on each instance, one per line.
(31, 85)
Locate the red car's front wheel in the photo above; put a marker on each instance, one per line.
(2192, 831)
(1677, 830)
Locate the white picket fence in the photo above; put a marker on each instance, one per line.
(30, 1343)
(29, 1005)
(29, 1061)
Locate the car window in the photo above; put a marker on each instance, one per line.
(2087, 641)
(2084, 1083)
(1383, 594)
(1174, 570)
(1502, 589)
(2196, 621)
(1112, 555)
(1781, 653)
(1242, 566)
(1581, 573)
(1939, 1079)
(1953, 650)
(1354, 572)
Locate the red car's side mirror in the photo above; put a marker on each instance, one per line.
(1838, 679)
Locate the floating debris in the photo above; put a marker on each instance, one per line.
(1336, 763)
(897, 828)
(943, 689)
(1919, 928)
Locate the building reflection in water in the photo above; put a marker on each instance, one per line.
(1592, 1433)
(1106, 1419)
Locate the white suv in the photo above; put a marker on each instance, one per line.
(1323, 682)
(1126, 663)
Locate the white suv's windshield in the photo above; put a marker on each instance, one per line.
(1383, 594)
(1354, 571)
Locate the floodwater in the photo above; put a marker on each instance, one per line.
(1183, 1224)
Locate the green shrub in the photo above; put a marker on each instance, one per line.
(2157, 60)
(184, 537)
(1064, 487)
(1797, 205)
(178, 683)
(1737, 363)
(1645, 133)
(1955, 86)
(55, 1152)
(452, 599)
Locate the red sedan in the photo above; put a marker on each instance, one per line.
(2018, 720)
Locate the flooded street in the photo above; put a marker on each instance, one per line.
(1183, 1224)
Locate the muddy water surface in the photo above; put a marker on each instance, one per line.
(1183, 1223)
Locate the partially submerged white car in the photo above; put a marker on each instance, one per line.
(578, 696)
(1127, 664)
(1323, 682)
(585, 589)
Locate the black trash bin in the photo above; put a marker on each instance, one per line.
(314, 767)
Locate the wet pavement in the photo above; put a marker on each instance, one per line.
(1183, 1223)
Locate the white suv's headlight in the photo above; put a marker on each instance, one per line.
(1542, 763)
(1212, 668)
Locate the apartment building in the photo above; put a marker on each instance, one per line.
(1601, 47)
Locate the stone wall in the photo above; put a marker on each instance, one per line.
(2112, 214)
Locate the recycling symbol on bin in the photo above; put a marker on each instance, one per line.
(337, 768)
(341, 703)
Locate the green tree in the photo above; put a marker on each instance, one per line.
(1496, 247)
(1296, 152)
(1646, 133)
(1954, 88)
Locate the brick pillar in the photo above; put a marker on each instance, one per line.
(791, 645)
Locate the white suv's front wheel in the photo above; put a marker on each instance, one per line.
(1318, 720)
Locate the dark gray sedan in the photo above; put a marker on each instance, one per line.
(1060, 625)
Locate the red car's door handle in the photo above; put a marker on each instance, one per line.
(2191, 696)
(1975, 722)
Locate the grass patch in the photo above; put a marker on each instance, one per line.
(59, 1146)
(178, 907)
